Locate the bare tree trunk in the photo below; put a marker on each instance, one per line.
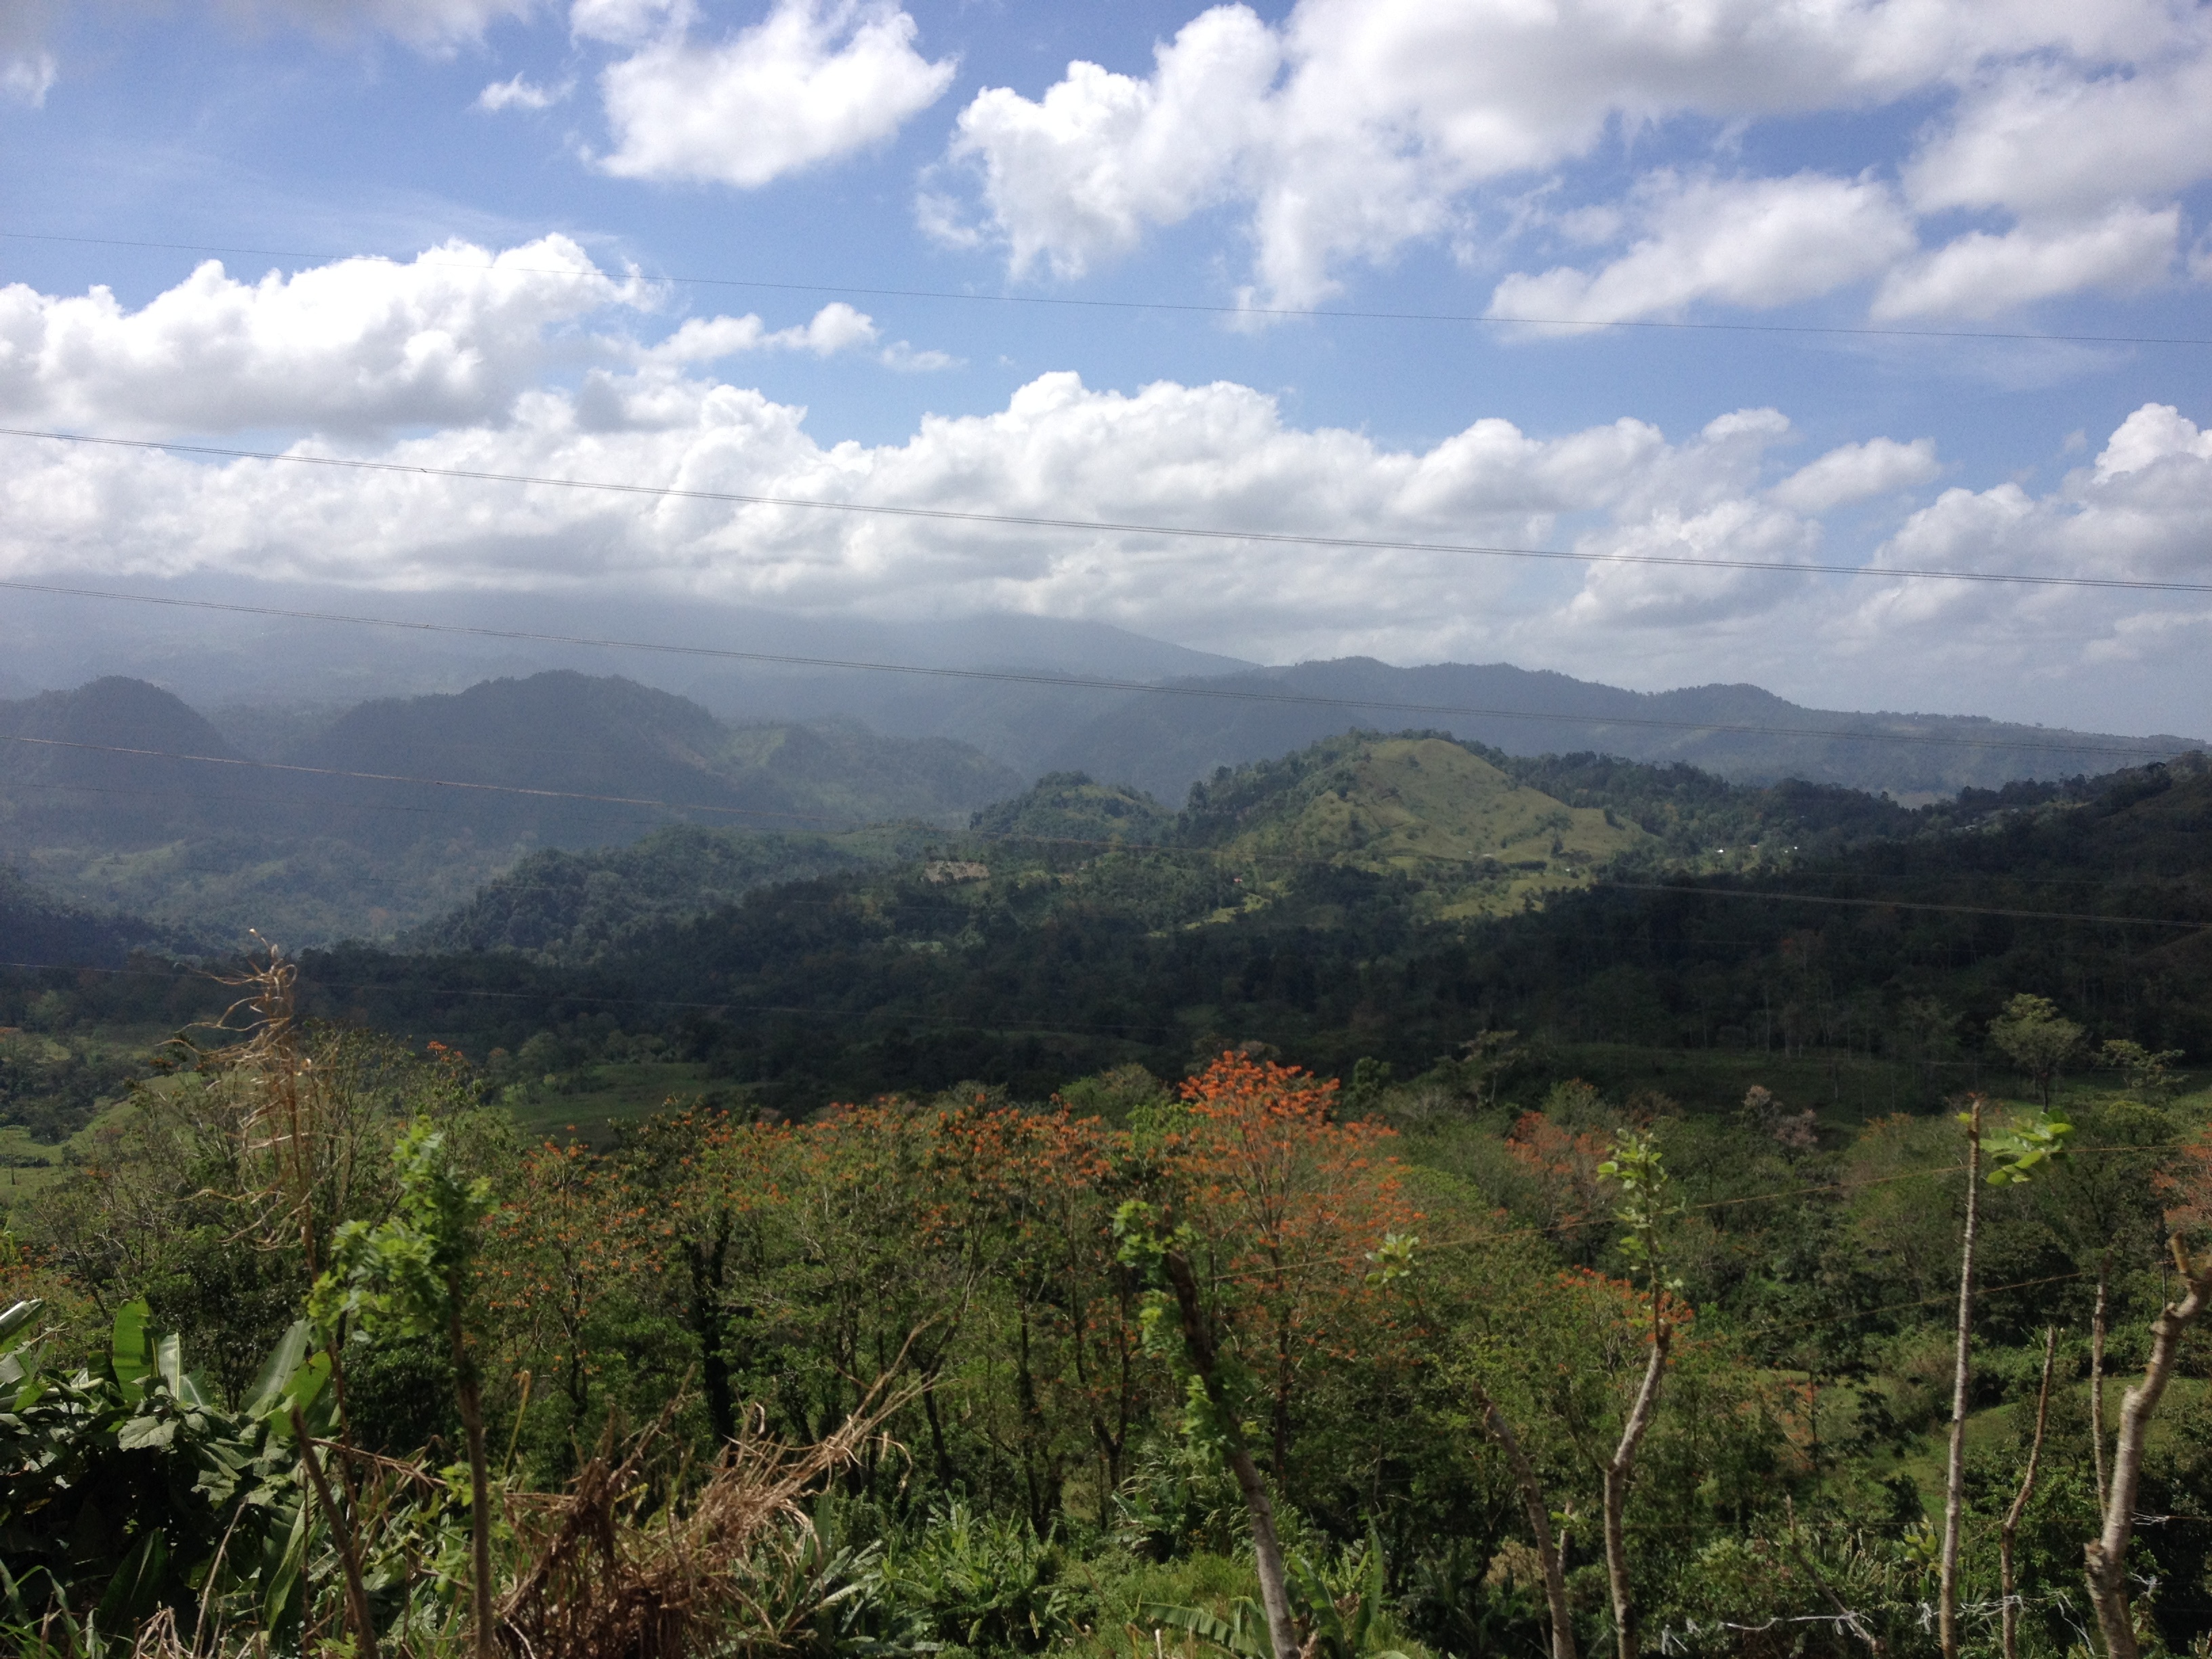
(2097, 1379)
(2107, 1553)
(1549, 1553)
(1955, 1482)
(1618, 1473)
(357, 1591)
(2011, 1529)
(1267, 1548)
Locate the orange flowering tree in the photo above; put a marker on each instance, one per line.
(1566, 1193)
(564, 1245)
(1269, 1233)
(1054, 1374)
(699, 1197)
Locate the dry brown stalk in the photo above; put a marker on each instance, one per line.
(603, 1585)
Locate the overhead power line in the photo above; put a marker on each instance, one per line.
(1117, 526)
(1096, 683)
(1192, 307)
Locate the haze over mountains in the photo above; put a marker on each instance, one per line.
(271, 824)
(292, 839)
(267, 680)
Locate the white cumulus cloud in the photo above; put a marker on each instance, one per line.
(461, 336)
(521, 93)
(1853, 472)
(1980, 275)
(1755, 242)
(836, 327)
(817, 80)
(2154, 432)
(1082, 173)
(1353, 127)
(1219, 455)
(2039, 140)
(360, 344)
(2142, 511)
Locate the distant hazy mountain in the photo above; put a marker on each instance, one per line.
(270, 684)
(308, 854)
(213, 658)
(63, 775)
(578, 735)
(1163, 742)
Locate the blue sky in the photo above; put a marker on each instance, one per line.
(474, 201)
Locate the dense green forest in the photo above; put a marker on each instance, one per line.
(309, 1346)
(1411, 1200)
(1341, 903)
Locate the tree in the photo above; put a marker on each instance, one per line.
(562, 1250)
(2034, 1037)
(1269, 1214)
(2009, 1533)
(2014, 1155)
(1537, 1507)
(414, 1274)
(2105, 1556)
(1637, 1166)
(2149, 1072)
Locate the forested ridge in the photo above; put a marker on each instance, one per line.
(318, 825)
(1411, 1200)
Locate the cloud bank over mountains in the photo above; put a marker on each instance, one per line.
(534, 361)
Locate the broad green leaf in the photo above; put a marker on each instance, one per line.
(169, 1360)
(131, 1595)
(302, 1388)
(281, 1582)
(16, 1320)
(146, 1432)
(277, 1370)
(130, 1349)
(1207, 1628)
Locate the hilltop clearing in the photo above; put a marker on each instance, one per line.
(1425, 809)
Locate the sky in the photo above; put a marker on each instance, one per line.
(1886, 284)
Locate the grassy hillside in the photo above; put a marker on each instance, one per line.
(1423, 808)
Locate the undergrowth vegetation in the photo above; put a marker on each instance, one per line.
(307, 1350)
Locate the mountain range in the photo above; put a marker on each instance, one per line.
(1022, 690)
(119, 795)
(321, 820)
